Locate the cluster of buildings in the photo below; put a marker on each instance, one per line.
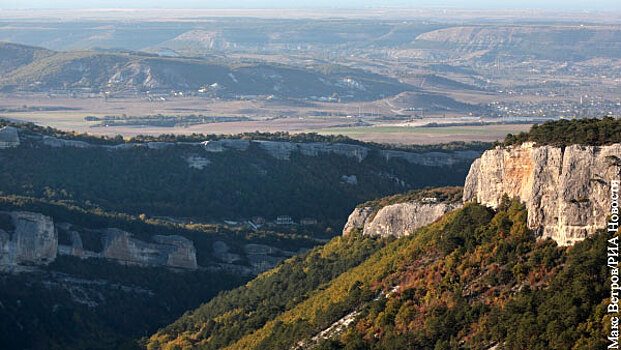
(584, 107)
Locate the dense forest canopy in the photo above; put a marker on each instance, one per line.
(594, 132)
(230, 185)
(449, 194)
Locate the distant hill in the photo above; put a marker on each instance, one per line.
(34, 69)
(434, 40)
(12, 56)
(551, 42)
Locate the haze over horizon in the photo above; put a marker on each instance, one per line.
(573, 5)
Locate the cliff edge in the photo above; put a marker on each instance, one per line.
(397, 220)
(565, 189)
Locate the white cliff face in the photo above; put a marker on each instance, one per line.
(224, 144)
(33, 241)
(172, 251)
(357, 219)
(566, 191)
(28, 238)
(180, 251)
(397, 220)
(283, 150)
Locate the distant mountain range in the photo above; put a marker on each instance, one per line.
(464, 41)
(28, 68)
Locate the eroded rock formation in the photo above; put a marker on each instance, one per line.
(566, 190)
(172, 251)
(357, 219)
(397, 220)
(27, 238)
(283, 150)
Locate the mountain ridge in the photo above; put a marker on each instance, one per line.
(123, 72)
(215, 181)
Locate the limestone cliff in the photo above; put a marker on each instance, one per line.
(28, 238)
(31, 239)
(566, 190)
(278, 149)
(173, 251)
(283, 150)
(397, 220)
(180, 250)
(357, 219)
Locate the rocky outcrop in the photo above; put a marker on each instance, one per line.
(283, 150)
(221, 252)
(28, 238)
(397, 220)
(149, 145)
(224, 144)
(260, 257)
(31, 239)
(431, 158)
(172, 251)
(57, 143)
(180, 251)
(566, 190)
(357, 219)
(9, 137)
(263, 257)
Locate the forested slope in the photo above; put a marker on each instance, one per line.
(474, 279)
(175, 177)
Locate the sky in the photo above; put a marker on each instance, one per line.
(495, 4)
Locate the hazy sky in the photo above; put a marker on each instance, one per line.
(540, 4)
